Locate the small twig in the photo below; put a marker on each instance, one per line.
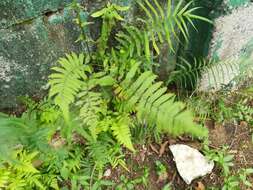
(232, 143)
(173, 177)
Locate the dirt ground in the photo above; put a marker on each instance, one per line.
(236, 137)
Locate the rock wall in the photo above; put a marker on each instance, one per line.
(232, 42)
(33, 35)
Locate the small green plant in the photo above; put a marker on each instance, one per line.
(80, 20)
(167, 187)
(161, 171)
(233, 182)
(243, 113)
(225, 162)
(130, 184)
(22, 174)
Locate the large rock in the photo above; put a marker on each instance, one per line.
(27, 51)
(18, 11)
(190, 163)
(232, 42)
(231, 4)
(33, 35)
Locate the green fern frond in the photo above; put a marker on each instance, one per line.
(26, 131)
(219, 75)
(21, 173)
(25, 162)
(13, 131)
(121, 131)
(67, 81)
(132, 40)
(98, 151)
(164, 24)
(210, 75)
(188, 74)
(4, 178)
(156, 107)
(91, 105)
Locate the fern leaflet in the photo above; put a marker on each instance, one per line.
(162, 26)
(67, 81)
(122, 132)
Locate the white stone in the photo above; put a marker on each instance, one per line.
(108, 173)
(190, 163)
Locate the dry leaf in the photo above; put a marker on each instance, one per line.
(154, 149)
(243, 124)
(162, 148)
(200, 186)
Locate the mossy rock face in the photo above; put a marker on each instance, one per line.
(232, 42)
(18, 11)
(33, 35)
(236, 3)
(27, 52)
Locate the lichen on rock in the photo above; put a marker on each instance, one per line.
(232, 42)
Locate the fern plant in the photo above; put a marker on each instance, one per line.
(188, 74)
(22, 174)
(90, 103)
(67, 81)
(141, 95)
(161, 26)
(26, 131)
(97, 98)
(154, 106)
(208, 74)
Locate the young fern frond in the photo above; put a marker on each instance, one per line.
(156, 107)
(67, 81)
(121, 131)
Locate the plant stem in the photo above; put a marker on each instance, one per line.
(92, 174)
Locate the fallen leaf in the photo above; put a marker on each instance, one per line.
(154, 149)
(162, 148)
(200, 186)
(243, 124)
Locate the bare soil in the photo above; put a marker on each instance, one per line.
(237, 137)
